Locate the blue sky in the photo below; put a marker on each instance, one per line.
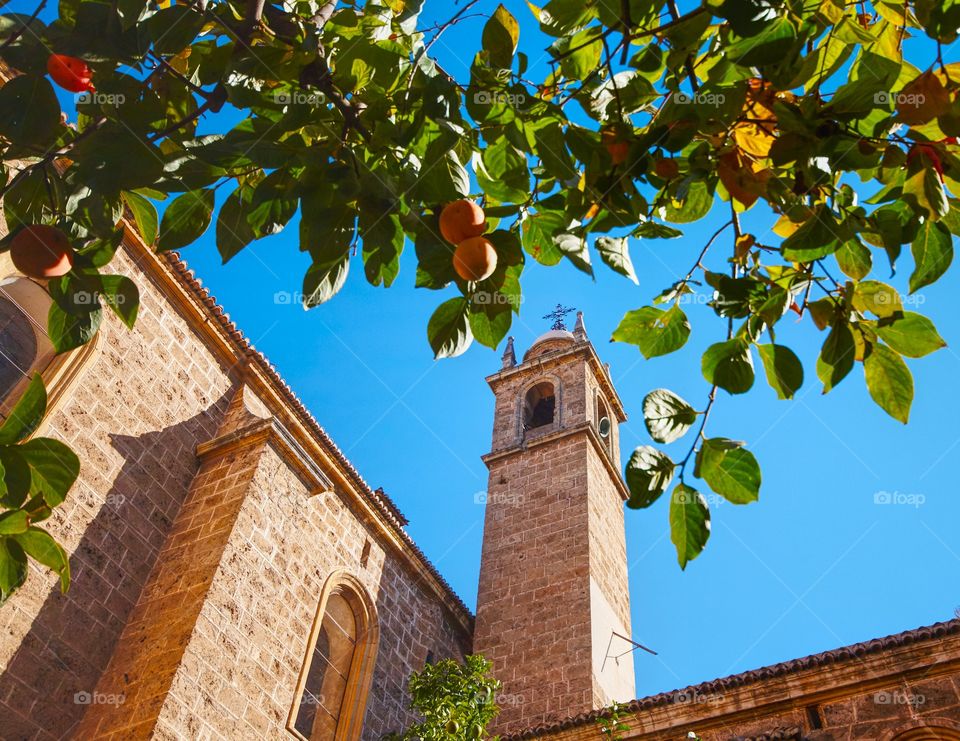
(815, 564)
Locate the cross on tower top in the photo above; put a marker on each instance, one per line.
(557, 315)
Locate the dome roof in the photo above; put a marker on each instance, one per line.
(552, 340)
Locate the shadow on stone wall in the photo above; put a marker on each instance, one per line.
(51, 678)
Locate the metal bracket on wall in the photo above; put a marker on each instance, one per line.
(616, 659)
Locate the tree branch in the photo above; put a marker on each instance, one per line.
(19, 32)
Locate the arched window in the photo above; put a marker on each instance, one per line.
(336, 674)
(539, 406)
(25, 348)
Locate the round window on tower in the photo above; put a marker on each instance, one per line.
(604, 425)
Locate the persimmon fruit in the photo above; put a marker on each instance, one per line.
(70, 73)
(41, 251)
(666, 167)
(461, 220)
(617, 148)
(475, 259)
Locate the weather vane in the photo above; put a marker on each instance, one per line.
(557, 315)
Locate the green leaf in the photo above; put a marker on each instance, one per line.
(444, 178)
(13, 567)
(783, 368)
(819, 236)
(500, 37)
(587, 46)
(144, 215)
(729, 365)
(836, 356)
(324, 278)
(694, 205)
(648, 474)
(14, 521)
(889, 382)
(502, 172)
(767, 47)
(233, 230)
(574, 248)
(449, 330)
(29, 111)
(655, 331)
(689, 523)
(924, 190)
(383, 241)
(490, 318)
(912, 335)
(40, 545)
(174, 28)
(115, 159)
(70, 330)
(186, 219)
(932, 254)
(877, 298)
(538, 236)
(730, 470)
(667, 416)
(27, 414)
(854, 259)
(122, 295)
(52, 467)
(615, 252)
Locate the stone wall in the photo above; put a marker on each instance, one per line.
(143, 401)
(553, 575)
(533, 604)
(198, 592)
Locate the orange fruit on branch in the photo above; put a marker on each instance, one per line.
(617, 148)
(475, 259)
(70, 73)
(461, 220)
(42, 252)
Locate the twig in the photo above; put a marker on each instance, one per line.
(688, 63)
(703, 253)
(51, 156)
(574, 49)
(170, 69)
(19, 32)
(613, 79)
(214, 102)
(711, 398)
(426, 47)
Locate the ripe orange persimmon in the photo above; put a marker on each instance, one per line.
(475, 259)
(41, 251)
(70, 73)
(616, 147)
(461, 220)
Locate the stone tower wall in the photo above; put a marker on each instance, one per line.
(553, 572)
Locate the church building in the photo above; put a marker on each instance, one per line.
(235, 577)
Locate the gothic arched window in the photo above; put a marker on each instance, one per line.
(25, 348)
(539, 406)
(338, 668)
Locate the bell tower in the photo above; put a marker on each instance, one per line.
(553, 607)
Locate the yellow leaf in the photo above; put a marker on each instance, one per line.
(922, 100)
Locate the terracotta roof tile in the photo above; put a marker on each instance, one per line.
(876, 645)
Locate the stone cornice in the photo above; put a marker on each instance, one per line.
(584, 428)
